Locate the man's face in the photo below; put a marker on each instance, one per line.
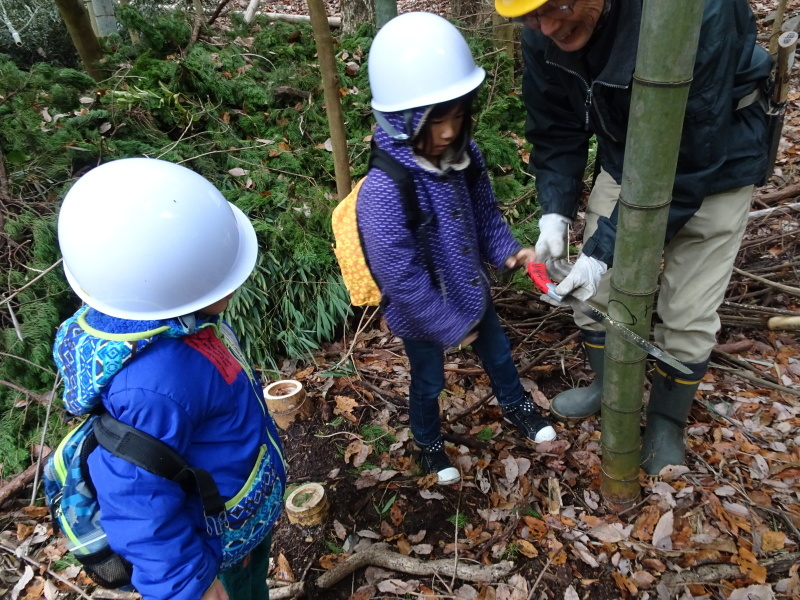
(569, 23)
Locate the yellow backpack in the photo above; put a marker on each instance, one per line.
(355, 272)
(348, 246)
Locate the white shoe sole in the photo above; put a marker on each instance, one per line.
(448, 476)
(547, 434)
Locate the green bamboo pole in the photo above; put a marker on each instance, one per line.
(667, 46)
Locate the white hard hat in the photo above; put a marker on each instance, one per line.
(420, 59)
(148, 239)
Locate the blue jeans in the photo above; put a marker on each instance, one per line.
(427, 377)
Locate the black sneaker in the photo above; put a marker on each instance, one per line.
(530, 423)
(434, 460)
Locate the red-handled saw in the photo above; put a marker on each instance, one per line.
(538, 273)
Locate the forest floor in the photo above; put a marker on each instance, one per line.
(727, 525)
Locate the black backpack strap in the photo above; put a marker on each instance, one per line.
(380, 159)
(474, 169)
(416, 220)
(157, 457)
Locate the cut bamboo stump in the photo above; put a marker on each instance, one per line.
(307, 505)
(287, 400)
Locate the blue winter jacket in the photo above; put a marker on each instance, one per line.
(465, 232)
(186, 383)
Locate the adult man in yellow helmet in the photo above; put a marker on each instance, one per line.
(579, 59)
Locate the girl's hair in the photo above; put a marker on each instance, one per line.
(460, 143)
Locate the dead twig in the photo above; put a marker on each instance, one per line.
(742, 363)
(778, 286)
(718, 572)
(386, 395)
(758, 380)
(218, 10)
(539, 578)
(39, 276)
(42, 568)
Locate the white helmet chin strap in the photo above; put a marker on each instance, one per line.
(390, 129)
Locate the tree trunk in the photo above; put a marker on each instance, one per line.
(473, 12)
(504, 34)
(385, 11)
(104, 17)
(356, 12)
(80, 30)
(330, 85)
(660, 88)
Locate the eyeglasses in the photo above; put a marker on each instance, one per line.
(550, 9)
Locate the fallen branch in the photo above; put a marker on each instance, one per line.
(760, 310)
(781, 207)
(717, 572)
(21, 481)
(758, 380)
(778, 286)
(379, 555)
(104, 594)
(787, 192)
(719, 353)
(289, 591)
(333, 22)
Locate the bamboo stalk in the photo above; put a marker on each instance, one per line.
(668, 38)
(330, 85)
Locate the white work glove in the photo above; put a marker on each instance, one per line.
(551, 247)
(583, 279)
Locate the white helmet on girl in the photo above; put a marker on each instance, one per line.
(420, 59)
(148, 239)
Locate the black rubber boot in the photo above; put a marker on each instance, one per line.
(671, 400)
(579, 403)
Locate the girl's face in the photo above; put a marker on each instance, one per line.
(441, 131)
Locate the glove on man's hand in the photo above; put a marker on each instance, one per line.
(552, 242)
(584, 278)
(558, 268)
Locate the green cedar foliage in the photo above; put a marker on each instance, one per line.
(244, 109)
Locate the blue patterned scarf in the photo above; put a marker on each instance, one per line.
(92, 347)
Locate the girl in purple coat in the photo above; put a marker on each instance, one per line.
(435, 288)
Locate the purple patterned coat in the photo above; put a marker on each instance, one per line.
(467, 232)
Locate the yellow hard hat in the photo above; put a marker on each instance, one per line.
(516, 8)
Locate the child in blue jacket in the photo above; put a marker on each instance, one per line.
(434, 286)
(156, 253)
